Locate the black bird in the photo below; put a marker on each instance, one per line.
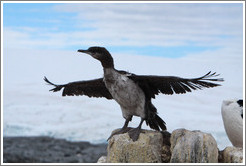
(133, 92)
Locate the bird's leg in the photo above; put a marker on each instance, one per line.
(134, 133)
(123, 130)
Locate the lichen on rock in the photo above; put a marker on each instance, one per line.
(147, 149)
(182, 146)
(231, 155)
(193, 147)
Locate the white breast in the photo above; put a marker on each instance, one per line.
(233, 122)
(130, 96)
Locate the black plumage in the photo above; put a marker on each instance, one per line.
(240, 103)
(114, 84)
(90, 88)
(152, 85)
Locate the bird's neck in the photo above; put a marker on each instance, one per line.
(109, 75)
(108, 71)
(108, 62)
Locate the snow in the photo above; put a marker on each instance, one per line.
(29, 109)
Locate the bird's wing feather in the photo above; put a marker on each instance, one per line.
(90, 88)
(153, 85)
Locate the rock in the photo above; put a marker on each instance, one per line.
(193, 147)
(147, 149)
(231, 155)
(182, 146)
(102, 159)
(50, 150)
(166, 152)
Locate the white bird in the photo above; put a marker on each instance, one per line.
(232, 114)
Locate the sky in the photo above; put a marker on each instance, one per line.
(151, 29)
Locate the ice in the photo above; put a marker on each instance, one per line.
(29, 109)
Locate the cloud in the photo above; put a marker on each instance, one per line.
(191, 19)
(135, 24)
(30, 38)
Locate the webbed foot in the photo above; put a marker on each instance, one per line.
(134, 133)
(121, 131)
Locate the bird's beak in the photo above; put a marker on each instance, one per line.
(84, 51)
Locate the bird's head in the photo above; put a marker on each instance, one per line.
(101, 54)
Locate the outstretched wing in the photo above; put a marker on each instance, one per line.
(90, 88)
(153, 85)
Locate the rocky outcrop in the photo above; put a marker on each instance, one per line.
(231, 155)
(182, 146)
(193, 147)
(50, 150)
(148, 149)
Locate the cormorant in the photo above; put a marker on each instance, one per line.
(132, 92)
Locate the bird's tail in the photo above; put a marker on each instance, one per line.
(152, 119)
(57, 87)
